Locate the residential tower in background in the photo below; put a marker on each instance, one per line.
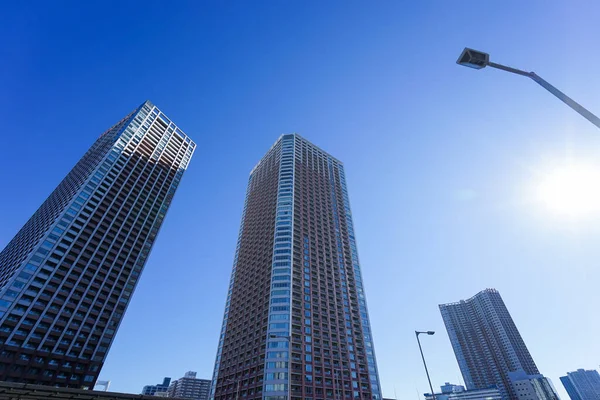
(486, 342)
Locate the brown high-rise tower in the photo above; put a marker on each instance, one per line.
(296, 324)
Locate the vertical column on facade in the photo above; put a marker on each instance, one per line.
(277, 360)
(362, 302)
(213, 386)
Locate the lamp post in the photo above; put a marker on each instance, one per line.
(336, 380)
(417, 333)
(478, 60)
(237, 388)
(289, 340)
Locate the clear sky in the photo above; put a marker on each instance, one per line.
(443, 162)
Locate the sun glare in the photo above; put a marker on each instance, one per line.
(572, 190)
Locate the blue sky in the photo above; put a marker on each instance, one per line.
(442, 161)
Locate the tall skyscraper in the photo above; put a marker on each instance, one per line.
(486, 342)
(296, 321)
(582, 384)
(190, 387)
(67, 277)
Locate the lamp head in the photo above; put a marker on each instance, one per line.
(473, 58)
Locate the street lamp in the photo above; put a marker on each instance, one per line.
(237, 389)
(289, 340)
(478, 60)
(336, 382)
(417, 333)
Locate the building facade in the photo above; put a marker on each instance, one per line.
(190, 387)
(582, 384)
(67, 277)
(486, 342)
(296, 324)
(152, 390)
(458, 392)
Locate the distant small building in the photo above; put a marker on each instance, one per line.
(151, 390)
(452, 388)
(458, 392)
(26, 391)
(532, 387)
(190, 387)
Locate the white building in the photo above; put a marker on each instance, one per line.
(458, 392)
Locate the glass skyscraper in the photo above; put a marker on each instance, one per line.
(67, 277)
(486, 342)
(296, 321)
(582, 384)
